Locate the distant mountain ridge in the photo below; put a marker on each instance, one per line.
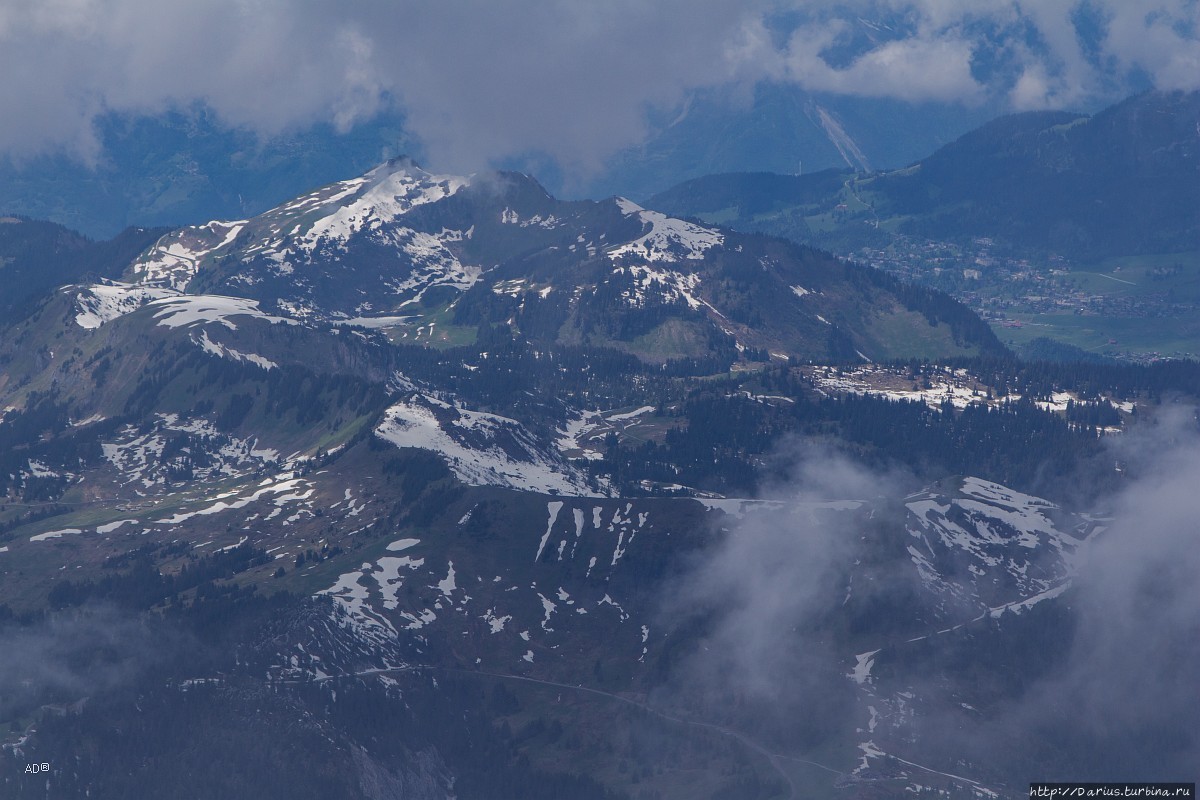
(36, 256)
(183, 167)
(1124, 181)
(187, 167)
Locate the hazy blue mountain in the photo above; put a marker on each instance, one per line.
(37, 256)
(185, 167)
(784, 129)
(1124, 181)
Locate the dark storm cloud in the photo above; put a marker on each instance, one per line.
(486, 80)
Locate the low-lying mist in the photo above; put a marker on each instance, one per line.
(1098, 683)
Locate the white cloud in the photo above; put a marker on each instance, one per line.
(1159, 38)
(1052, 61)
(569, 79)
(1126, 688)
(916, 69)
(774, 574)
(478, 80)
(1032, 89)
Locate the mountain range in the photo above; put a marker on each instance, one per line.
(187, 167)
(1120, 182)
(433, 486)
(438, 258)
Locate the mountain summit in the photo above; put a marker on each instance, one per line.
(435, 257)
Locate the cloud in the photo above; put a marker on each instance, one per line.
(568, 80)
(1050, 53)
(1101, 680)
(1032, 90)
(477, 80)
(72, 655)
(66, 62)
(916, 69)
(1099, 684)
(1130, 679)
(1161, 39)
(765, 657)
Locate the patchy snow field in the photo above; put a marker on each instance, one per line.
(957, 387)
(482, 449)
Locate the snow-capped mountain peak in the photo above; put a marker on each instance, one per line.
(667, 239)
(378, 198)
(399, 247)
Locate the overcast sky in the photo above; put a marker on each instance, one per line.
(482, 81)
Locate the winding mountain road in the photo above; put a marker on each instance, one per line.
(773, 758)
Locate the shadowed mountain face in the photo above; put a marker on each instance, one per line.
(37, 256)
(1126, 180)
(1123, 181)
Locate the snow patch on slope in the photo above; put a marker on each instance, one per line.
(392, 193)
(667, 240)
(176, 258)
(481, 449)
(1001, 546)
(569, 443)
(101, 303)
(203, 452)
(189, 310)
(221, 351)
(673, 286)
(432, 264)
